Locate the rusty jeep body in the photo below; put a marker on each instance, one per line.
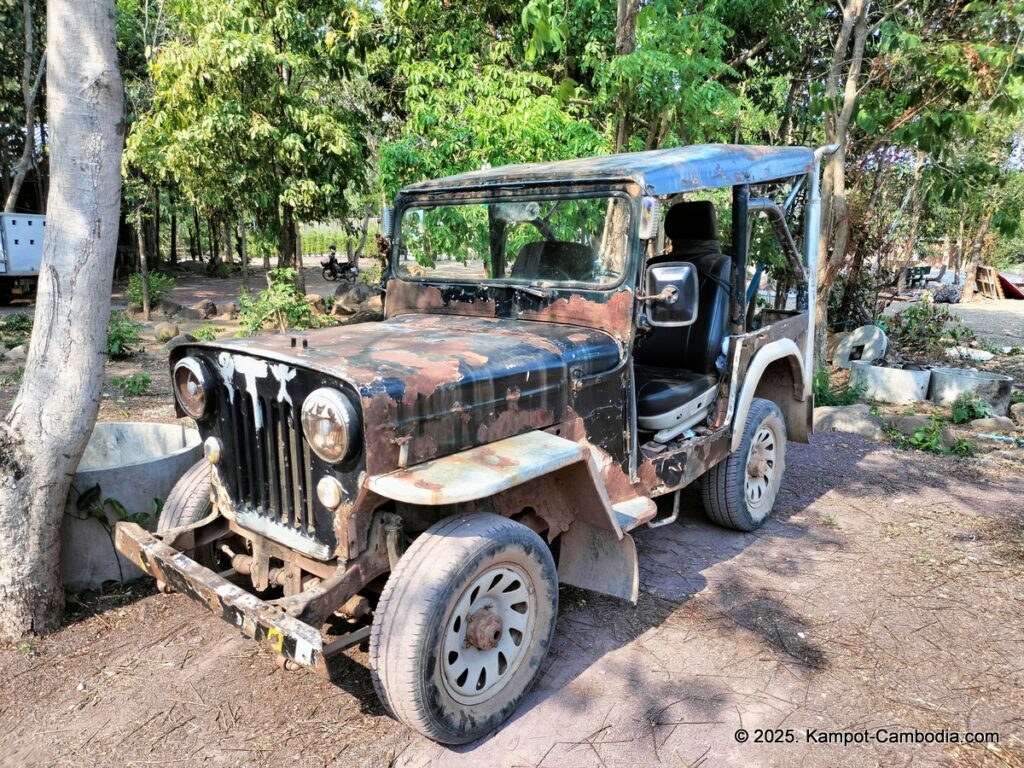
(563, 343)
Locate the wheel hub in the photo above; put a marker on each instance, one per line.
(483, 630)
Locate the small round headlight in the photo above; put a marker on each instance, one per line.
(330, 423)
(191, 387)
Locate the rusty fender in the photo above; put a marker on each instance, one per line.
(596, 553)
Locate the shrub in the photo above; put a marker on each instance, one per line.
(159, 286)
(122, 333)
(17, 324)
(280, 304)
(827, 393)
(205, 333)
(917, 331)
(968, 408)
(132, 386)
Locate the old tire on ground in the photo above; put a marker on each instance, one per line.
(463, 625)
(740, 491)
(187, 503)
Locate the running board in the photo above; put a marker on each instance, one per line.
(634, 512)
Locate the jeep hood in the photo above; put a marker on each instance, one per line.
(441, 384)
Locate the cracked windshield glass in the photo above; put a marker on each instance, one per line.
(549, 242)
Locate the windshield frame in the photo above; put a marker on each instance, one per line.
(511, 194)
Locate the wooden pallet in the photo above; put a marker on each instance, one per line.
(988, 283)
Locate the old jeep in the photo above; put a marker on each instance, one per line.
(562, 344)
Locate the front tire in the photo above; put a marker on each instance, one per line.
(463, 625)
(329, 274)
(189, 502)
(740, 492)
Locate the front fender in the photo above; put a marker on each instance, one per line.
(781, 349)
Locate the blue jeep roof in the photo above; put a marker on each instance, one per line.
(658, 172)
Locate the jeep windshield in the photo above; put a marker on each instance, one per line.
(543, 242)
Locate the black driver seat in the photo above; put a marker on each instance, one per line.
(676, 377)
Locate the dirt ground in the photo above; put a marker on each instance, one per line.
(887, 592)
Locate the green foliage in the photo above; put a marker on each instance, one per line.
(160, 285)
(827, 393)
(917, 331)
(966, 408)
(205, 333)
(92, 504)
(280, 304)
(122, 333)
(1017, 396)
(928, 438)
(961, 447)
(134, 385)
(17, 323)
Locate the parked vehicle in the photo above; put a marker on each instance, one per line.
(563, 343)
(333, 270)
(21, 253)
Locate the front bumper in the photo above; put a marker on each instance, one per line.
(255, 618)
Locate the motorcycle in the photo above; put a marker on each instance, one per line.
(332, 270)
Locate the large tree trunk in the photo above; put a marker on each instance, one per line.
(143, 264)
(45, 433)
(30, 91)
(976, 248)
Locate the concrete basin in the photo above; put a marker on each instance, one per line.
(133, 464)
(889, 385)
(950, 383)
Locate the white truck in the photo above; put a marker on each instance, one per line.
(21, 252)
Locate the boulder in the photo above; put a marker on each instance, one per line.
(205, 309)
(165, 331)
(363, 316)
(18, 353)
(353, 293)
(996, 425)
(317, 302)
(373, 304)
(834, 341)
(170, 308)
(1017, 414)
(855, 419)
(910, 423)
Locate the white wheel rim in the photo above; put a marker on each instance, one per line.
(762, 471)
(472, 675)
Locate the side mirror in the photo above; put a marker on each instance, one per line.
(671, 294)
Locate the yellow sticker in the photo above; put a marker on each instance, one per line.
(275, 638)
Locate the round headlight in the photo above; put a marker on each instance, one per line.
(330, 423)
(191, 387)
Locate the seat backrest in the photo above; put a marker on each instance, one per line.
(555, 260)
(693, 229)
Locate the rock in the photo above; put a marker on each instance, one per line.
(996, 425)
(966, 353)
(170, 308)
(182, 338)
(363, 316)
(910, 423)
(317, 302)
(165, 331)
(205, 309)
(353, 293)
(834, 341)
(855, 419)
(341, 310)
(18, 353)
(373, 304)
(1017, 414)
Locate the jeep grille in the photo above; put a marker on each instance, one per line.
(268, 468)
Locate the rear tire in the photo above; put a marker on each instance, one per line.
(463, 625)
(740, 491)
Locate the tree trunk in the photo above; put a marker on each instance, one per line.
(976, 248)
(243, 236)
(46, 431)
(143, 265)
(625, 44)
(214, 241)
(287, 246)
(174, 230)
(30, 91)
(198, 228)
(300, 278)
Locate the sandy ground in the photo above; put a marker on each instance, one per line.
(997, 321)
(885, 593)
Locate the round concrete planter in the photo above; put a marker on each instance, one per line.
(950, 383)
(133, 464)
(889, 385)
